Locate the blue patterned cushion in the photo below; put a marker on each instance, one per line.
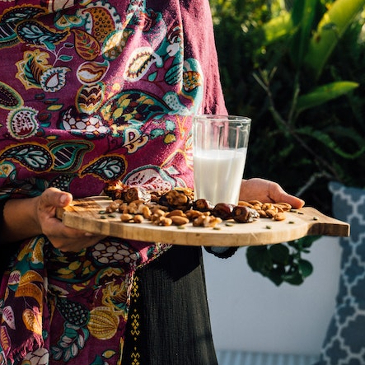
(345, 338)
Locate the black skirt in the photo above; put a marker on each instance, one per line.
(169, 320)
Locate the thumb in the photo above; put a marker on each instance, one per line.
(56, 198)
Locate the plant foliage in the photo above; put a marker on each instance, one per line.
(282, 263)
(296, 68)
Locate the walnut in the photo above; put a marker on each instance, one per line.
(137, 193)
(175, 199)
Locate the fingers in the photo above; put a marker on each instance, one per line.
(278, 195)
(267, 191)
(61, 237)
(75, 242)
(295, 202)
(67, 238)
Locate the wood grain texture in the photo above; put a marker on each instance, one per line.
(85, 214)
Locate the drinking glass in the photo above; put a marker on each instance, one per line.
(219, 155)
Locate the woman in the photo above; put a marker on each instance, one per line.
(93, 92)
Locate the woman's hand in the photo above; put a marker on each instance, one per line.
(62, 237)
(26, 218)
(267, 192)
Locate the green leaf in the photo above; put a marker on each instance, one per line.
(325, 93)
(49, 45)
(277, 28)
(304, 242)
(305, 267)
(327, 141)
(329, 30)
(259, 259)
(307, 241)
(66, 58)
(28, 70)
(276, 275)
(294, 277)
(302, 16)
(279, 254)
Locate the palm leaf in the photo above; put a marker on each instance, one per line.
(330, 29)
(324, 93)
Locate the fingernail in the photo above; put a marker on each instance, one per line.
(63, 198)
(88, 234)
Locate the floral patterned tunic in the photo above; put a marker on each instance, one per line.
(92, 92)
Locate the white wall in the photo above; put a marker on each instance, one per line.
(250, 313)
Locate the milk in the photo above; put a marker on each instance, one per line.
(218, 174)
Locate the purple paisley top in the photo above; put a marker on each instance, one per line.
(102, 91)
(92, 92)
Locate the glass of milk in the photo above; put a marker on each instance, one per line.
(219, 156)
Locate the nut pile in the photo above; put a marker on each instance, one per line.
(138, 211)
(276, 211)
(178, 207)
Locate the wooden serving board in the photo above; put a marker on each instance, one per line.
(85, 214)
